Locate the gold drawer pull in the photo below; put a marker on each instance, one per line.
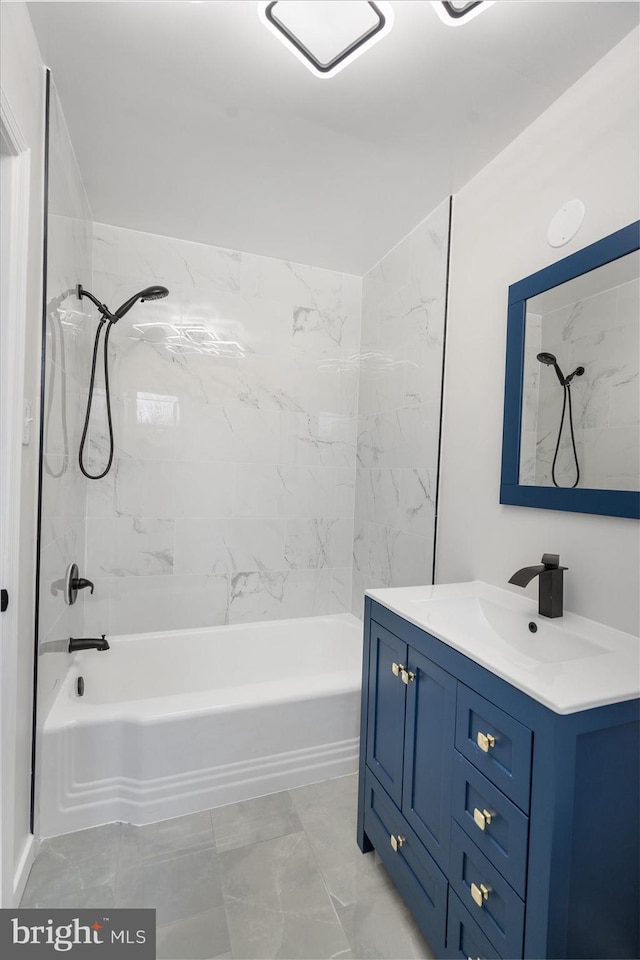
(479, 894)
(485, 741)
(396, 842)
(482, 818)
(397, 668)
(407, 676)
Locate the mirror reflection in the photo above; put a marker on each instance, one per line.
(581, 407)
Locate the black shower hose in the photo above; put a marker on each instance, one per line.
(567, 398)
(98, 476)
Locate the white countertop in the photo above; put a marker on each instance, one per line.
(569, 663)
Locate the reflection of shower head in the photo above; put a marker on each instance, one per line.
(149, 293)
(550, 361)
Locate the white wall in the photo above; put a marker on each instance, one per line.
(585, 145)
(23, 85)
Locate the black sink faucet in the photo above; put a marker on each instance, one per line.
(91, 643)
(549, 585)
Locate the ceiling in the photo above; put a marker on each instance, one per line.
(191, 120)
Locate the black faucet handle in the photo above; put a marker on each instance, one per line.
(552, 561)
(79, 583)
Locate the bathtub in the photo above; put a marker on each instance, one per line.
(177, 722)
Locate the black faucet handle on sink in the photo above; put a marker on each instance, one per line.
(552, 561)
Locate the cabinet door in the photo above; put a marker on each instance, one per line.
(429, 737)
(385, 725)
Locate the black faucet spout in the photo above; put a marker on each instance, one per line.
(525, 575)
(550, 584)
(90, 643)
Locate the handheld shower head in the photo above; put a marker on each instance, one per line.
(149, 293)
(550, 361)
(547, 358)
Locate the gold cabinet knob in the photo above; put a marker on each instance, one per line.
(396, 669)
(396, 842)
(481, 818)
(479, 894)
(407, 676)
(485, 741)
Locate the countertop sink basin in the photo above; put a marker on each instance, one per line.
(568, 663)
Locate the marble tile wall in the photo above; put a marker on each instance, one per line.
(69, 328)
(231, 496)
(401, 353)
(601, 334)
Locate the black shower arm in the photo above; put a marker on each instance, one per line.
(102, 307)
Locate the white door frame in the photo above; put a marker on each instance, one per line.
(15, 166)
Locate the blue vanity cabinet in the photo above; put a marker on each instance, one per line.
(510, 831)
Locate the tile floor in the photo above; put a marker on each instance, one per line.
(280, 876)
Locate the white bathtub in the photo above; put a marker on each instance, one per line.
(177, 722)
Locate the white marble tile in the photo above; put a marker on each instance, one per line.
(229, 546)
(395, 266)
(382, 383)
(142, 604)
(97, 608)
(203, 489)
(360, 557)
(345, 493)
(399, 559)
(417, 502)
(281, 491)
(423, 377)
(428, 249)
(256, 596)
(325, 440)
(401, 438)
(106, 247)
(236, 433)
(318, 543)
(624, 403)
(129, 546)
(410, 316)
(145, 488)
(291, 283)
(378, 495)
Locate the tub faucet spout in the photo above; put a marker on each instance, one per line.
(550, 583)
(90, 643)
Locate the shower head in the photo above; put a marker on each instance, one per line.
(547, 358)
(149, 293)
(550, 361)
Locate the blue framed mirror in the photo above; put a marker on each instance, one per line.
(571, 432)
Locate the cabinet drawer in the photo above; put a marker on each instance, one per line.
(492, 821)
(500, 914)
(465, 939)
(412, 869)
(497, 744)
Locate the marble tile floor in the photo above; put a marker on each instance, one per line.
(276, 877)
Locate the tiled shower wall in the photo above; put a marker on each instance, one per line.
(69, 328)
(403, 314)
(234, 399)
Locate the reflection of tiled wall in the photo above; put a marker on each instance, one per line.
(234, 401)
(68, 352)
(403, 306)
(600, 334)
